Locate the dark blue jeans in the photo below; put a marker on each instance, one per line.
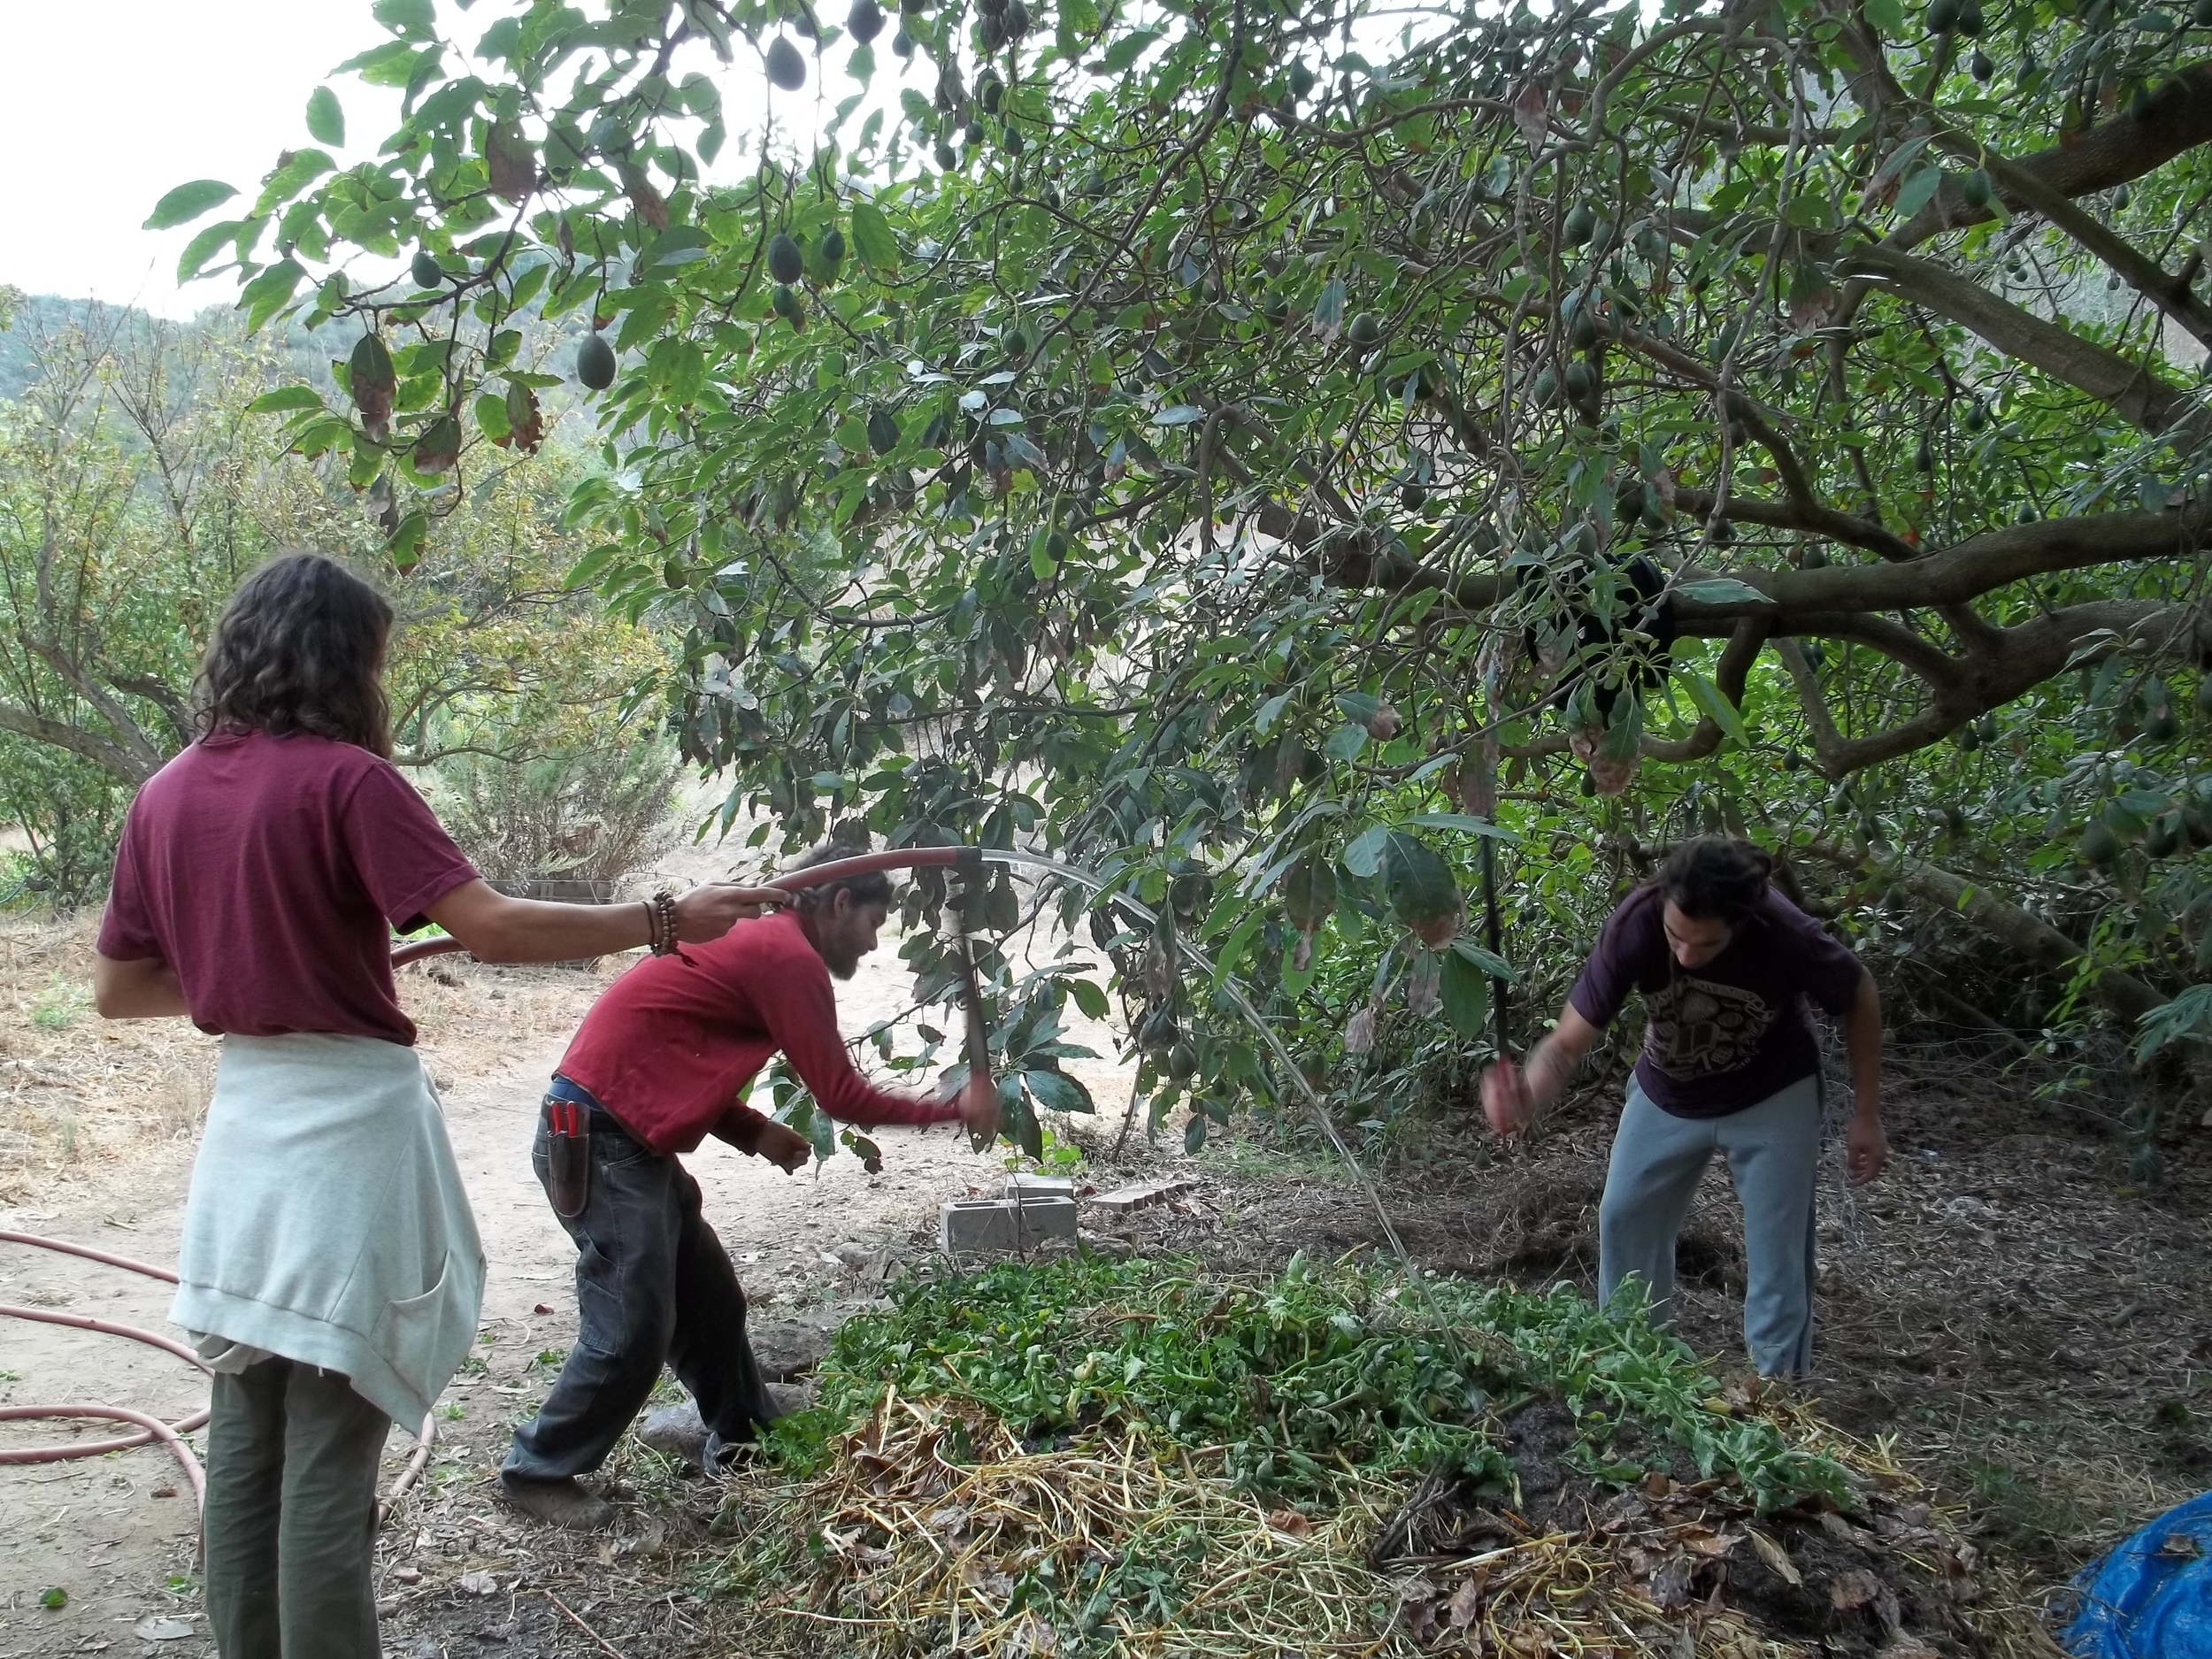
(653, 1286)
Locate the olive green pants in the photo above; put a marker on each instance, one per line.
(291, 1514)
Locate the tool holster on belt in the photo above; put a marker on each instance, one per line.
(567, 1157)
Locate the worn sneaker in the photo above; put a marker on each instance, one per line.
(565, 1502)
(676, 1431)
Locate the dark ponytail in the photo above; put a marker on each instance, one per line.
(1717, 877)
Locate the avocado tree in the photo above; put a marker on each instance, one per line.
(1237, 446)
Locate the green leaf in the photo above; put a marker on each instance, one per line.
(877, 247)
(1418, 887)
(414, 20)
(1057, 1091)
(1090, 997)
(1707, 695)
(1128, 49)
(325, 120)
(588, 567)
(204, 241)
(1363, 856)
(405, 546)
(1019, 1122)
(1488, 963)
(1462, 821)
(270, 292)
(1888, 16)
(491, 416)
(285, 398)
(1913, 195)
(1345, 742)
(1180, 415)
(187, 203)
(1722, 590)
(1195, 1133)
(1466, 994)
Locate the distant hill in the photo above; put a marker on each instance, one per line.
(304, 357)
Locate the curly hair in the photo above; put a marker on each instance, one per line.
(300, 648)
(1716, 876)
(871, 886)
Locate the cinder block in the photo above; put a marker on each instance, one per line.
(1124, 1200)
(1035, 1187)
(976, 1227)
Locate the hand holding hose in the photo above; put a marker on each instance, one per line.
(707, 913)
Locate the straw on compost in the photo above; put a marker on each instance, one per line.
(1090, 1456)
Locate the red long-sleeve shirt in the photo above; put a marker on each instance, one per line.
(670, 1045)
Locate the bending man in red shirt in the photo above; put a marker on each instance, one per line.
(657, 1065)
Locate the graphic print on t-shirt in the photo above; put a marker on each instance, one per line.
(1700, 1028)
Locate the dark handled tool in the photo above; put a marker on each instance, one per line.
(567, 1157)
(979, 1037)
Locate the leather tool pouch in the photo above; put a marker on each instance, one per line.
(568, 1157)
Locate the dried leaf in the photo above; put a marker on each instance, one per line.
(1466, 1601)
(510, 163)
(1290, 1522)
(1777, 1557)
(1529, 116)
(1848, 1592)
(1359, 1032)
(1668, 1588)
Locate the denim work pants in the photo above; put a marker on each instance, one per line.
(653, 1286)
(291, 1514)
(1773, 1152)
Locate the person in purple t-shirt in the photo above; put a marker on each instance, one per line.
(1730, 1064)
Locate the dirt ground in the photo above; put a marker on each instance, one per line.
(2031, 1329)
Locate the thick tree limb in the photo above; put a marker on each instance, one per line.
(2009, 924)
(112, 756)
(2130, 388)
(2114, 152)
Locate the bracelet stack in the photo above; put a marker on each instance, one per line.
(660, 922)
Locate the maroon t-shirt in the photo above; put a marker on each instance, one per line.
(269, 871)
(1726, 1035)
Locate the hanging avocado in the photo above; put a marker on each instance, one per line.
(2164, 839)
(786, 263)
(883, 430)
(786, 68)
(785, 304)
(2098, 845)
(865, 21)
(1413, 497)
(425, 271)
(1977, 188)
(1979, 66)
(1582, 381)
(974, 134)
(1976, 415)
(1543, 389)
(948, 157)
(1581, 225)
(595, 363)
(1943, 16)
(1302, 78)
(1365, 330)
(990, 91)
(1923, 456)
(1969, 19)
(1016, 20)
(903, 44)
(1012, 139)
(1182, 1063)
(833, 249)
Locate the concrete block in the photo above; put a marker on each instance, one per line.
(1035, 1187)
(1125, 1200)
(976, 1227)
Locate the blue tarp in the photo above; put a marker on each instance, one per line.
(2152, 1597)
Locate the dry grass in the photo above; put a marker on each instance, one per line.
(81, 1098)
(935, 1530)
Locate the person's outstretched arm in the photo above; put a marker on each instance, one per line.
(1867, 1146)
(496, 928)
(1513, 1095)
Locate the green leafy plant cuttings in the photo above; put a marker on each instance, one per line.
(1316, 1379)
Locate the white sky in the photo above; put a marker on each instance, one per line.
(188, 89)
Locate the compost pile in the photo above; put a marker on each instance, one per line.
(1095, 1456)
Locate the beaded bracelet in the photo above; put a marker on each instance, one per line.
(663, 906)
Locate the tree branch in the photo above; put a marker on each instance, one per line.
(2130, 389)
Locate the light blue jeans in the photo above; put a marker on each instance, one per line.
(1773, 1151)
